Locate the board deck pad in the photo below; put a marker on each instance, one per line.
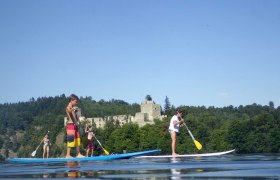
(190, 155)
(95, 158)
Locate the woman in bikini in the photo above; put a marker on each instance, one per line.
(46, 146)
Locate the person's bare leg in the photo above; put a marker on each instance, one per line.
(68, 153)
(173, 143)
(87, 152)
(48, 152)
(78, 152)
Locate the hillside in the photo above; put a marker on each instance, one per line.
(23, 124)
(249, 129)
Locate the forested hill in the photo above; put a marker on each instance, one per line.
(23, 124)
(20, 116)
(249, 129)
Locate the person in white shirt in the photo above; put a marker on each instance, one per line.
(174, 129)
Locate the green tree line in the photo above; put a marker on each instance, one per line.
(249, 129)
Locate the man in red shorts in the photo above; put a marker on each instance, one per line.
(73, 135)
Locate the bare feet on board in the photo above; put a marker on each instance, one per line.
(80, 156)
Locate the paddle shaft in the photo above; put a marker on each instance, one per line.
(99, 142)
(197, 144)
(39, 145)
(189, 131)
(106, 152)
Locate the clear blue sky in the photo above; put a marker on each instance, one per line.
(195, 52)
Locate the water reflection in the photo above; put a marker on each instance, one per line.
(179, 168)
(46, 176)
(223, 167)
(89, 174)
(176, 173)
(73, 171)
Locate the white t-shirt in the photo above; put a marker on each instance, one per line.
(171, 126)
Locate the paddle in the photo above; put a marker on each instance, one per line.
(105, 151)
(197, 144)
(34, 152)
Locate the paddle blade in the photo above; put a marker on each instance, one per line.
(33, 153)
(106, 152)
(197, 144)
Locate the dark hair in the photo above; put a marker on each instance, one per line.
(73, 97)
(179, 111)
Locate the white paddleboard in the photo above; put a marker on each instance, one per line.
(190, 155)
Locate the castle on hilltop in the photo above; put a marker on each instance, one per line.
(149, 112)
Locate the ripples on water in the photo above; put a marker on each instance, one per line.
(221, 167)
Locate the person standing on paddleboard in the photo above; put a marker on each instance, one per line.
(174, 129)
(90, 144)
(46, 146)
(72, 130)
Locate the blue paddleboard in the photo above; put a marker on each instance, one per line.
(95, 158)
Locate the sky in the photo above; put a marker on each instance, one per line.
(195, 52)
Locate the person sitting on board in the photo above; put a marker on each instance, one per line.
(73, 135)
(174, 129)
(90, 144)
(46, 146)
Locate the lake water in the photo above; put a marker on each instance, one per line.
(221, 167)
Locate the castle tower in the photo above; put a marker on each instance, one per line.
(152, 109)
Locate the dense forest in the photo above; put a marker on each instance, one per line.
(249, 129)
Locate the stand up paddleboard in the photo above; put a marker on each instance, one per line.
(190, 155)
(95, 158)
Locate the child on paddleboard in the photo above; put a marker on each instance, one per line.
(72, 130)
(90, 144)
(174, 129)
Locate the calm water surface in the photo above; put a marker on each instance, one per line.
(220, 167)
